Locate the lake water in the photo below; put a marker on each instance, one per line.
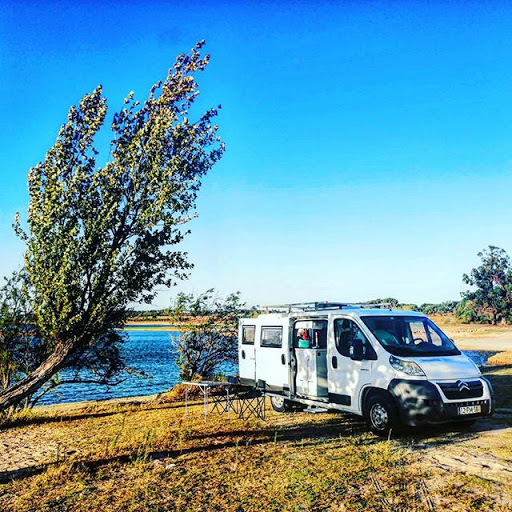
(151, 352)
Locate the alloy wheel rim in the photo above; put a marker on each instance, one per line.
(379, 416)
(278, 401)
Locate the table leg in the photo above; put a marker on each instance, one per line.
(205, 398)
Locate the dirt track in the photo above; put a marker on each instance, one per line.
(499, 342)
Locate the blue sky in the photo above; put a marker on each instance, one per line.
(369, 144)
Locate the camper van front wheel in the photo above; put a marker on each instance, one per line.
(279, 404)
(381, 414)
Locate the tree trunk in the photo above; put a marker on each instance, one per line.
(13, 395)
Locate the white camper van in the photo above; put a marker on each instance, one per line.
(392, 367)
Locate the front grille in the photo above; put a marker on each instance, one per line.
(462, 390)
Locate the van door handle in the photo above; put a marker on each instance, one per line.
(334, 362)
(283, 359)
(243, 354)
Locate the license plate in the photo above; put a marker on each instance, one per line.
(470, 409)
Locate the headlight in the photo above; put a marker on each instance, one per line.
(408, 367)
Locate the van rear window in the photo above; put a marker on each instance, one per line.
(248, 332)
(271, 337)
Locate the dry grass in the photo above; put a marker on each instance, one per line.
(501, 358)
(150, 457)
(454, 328)
(139, 456)
(501, 380)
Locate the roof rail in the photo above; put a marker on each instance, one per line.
(324, 305)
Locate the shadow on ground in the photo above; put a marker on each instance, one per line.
(123, 408)
(307, 432)
(299, 427)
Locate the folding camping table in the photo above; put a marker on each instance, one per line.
(244, 402)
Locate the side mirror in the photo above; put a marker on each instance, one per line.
(356, 349)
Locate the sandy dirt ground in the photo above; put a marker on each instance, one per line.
(481, 451)
(499, 341)
(38, 444)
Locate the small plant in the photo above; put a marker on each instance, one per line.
(111, 444)
(145, 448)
(208, 339)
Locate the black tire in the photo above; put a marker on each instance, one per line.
(381, 414)
(280, 404)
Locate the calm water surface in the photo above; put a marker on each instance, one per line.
(151, 352)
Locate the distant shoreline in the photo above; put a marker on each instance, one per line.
(155, 325)
(152, 328)
(466, 336)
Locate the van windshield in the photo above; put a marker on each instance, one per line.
(410, 336)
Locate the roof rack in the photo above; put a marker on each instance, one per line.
(324, 305)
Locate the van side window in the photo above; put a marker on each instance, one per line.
(320, 334)
(248, 332)
(310, 334)
(434, 337)
(346, 330)
(302, 335)
(271, 337)
(342, 333)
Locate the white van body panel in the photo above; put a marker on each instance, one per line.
(452, 367)
(272, 359)
(247, 351)
(312, 373)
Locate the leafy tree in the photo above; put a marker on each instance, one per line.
(448, 306)
(394, 303)
(467, 313)
(445, 307)
(208, 339)
(493, 282)
(101, 239)
(428, 308)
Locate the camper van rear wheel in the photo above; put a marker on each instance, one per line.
(381, 414)
(279, 404)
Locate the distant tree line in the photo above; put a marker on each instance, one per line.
(490, 300)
